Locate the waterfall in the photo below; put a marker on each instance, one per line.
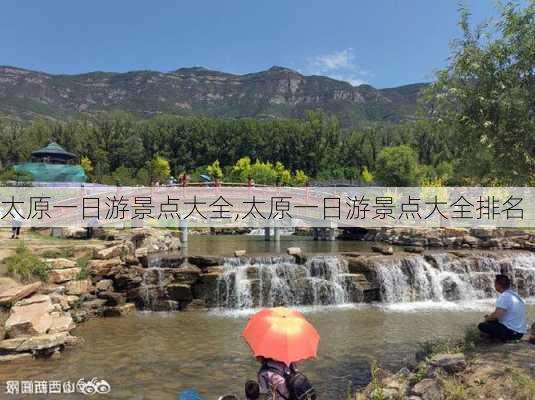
(442, 277)
(276, 281)
(152, 291)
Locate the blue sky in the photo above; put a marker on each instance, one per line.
(383, 42)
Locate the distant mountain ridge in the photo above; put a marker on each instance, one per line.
(275, 93)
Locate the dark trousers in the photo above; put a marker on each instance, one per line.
(499, 331)
(15, 231)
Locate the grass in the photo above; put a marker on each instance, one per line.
(523, 385)
(453, 388)
(377, 391)
(82, 264)
(63, 252)
(25, 266)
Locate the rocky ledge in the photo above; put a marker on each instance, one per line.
(457, 238)
(473, 369)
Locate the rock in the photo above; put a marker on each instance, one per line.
(154, 240)
(297, 253)
(36, 298)
(64, 275)
(528, 246)
(113, 298)
(449, 363)
(66, 302)
(240, 253)
(483, 233)
(62, 323)
(141, 252)
(78, 287)
(428, 389)
(294, 251)
(94, 304)
(204, 261)
(386, 250)
(120, 250)
(7, 283)
(207, 288)
(74, 233)
(13, 357)
(103, 267)
(458, 232)
(179, 292)
(60, 263)
(470, 240)
(35, 343)
(79, 315)
(104, 285)
(414, 249)
(31, 319)
(119, 311)
(13, 294)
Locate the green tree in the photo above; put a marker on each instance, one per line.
(215, 171)
(87, 165)
(397, 166)
(159, 169)
(366, 176)
(486, 97)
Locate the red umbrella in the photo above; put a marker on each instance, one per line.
(281, 334)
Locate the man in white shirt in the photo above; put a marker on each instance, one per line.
(508, 321)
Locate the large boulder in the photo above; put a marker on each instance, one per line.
(112, 298)
(179, 292)
(63, 275)
(61, 322)
(11, 295)
(119, 311)
(204, 261)
(385, 250)
(36, 343)
(428, 389)
(104, 285)
(104, 268)
(74, 233)
(78, 287)
(30, 319)
(207, 288)
(448, 363)
(119, 250)
(154, 240)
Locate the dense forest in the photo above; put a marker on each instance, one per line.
(476, 126)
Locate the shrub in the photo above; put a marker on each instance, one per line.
(82, 264)
(25, 266)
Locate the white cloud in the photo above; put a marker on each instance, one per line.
(337, 65)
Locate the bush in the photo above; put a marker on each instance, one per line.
(82, 264)
(397, 166)
(25, 266)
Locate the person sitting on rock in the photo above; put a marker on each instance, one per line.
(508, 321)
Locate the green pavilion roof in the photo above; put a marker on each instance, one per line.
(53, 150)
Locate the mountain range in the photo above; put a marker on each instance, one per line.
(275, 93)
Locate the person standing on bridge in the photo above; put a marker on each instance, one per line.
(508, 321)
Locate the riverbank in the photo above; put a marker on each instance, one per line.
(473, 368)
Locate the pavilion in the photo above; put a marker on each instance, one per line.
(53, 163)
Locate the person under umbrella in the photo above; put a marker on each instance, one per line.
(279, 337)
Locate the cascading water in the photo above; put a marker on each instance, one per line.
(276, 281)
(441, 277)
